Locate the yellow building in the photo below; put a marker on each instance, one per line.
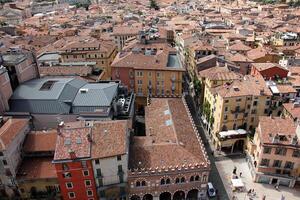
(213, 77)
(91, 50)
(37, 179)
(232, 106)
(152, 69)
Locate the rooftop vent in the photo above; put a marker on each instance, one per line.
(83, 90)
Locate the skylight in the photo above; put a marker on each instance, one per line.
(48, 85)
(169, 122)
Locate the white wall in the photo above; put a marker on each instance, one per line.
(109, 169)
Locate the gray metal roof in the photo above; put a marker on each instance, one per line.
(64, 96)
(96, 95)
(49, 56)
(31, 89)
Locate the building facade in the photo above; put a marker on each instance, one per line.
(274, 157)
(170, 161)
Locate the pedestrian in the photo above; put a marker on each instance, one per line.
(249, 191)
(241, 174)
(234, 170)
(212, 153)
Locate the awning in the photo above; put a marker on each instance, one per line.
(237, 183)
(224, 134)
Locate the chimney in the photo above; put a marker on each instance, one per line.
(60, 126)
(72, 154)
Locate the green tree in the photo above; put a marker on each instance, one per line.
(154, 5)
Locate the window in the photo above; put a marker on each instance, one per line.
(280, 151)
(264, 162)
(71, 195)
(253, 111)
(67, 175)
(162, 181)
(149, 74)
(69, 185)
(236, 115)
(267, 150)
(119, 157)
(120, 170)
(22, 190)
(225, 117)
(97, 161)
(177, 180)
(192, 178)
(85, 173)
(254, 103)
(84, 164)
(296, 153)
(47, 85)
(197, 178)
(226, 109)
(182, 180)
(89, 193)
(139, 73)
(267, 103)
(252, 119)
(4, 162)
(168, 181)
(238, 100)
(158, 74)
(143, 183)
(289, 165)
(98, 171)
(277, 163)
(87, 183)
(1, 153)
(139, 82)
(226, 101)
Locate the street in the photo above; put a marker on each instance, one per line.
(214, 177)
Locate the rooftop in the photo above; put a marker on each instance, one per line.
(171, 138)
(36, 168)
(40, 141)
(269, 127)
(110, 138)
(9, 131)
(73, 143)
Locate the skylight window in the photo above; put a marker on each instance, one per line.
(169, 122)
(67, 141)
(78, 140)
(48, 85)
(167, 112)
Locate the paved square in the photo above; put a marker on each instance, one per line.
(225, 168)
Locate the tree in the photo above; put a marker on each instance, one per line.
(154, 5)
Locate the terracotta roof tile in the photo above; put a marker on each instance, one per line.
(36, 168)
(10, 129)
(170, 138)
(40, 141)
(109, 138)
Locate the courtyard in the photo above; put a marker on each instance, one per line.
(225, 167)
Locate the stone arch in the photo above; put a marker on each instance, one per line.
(197, 178)
(165, 196)
(179, 195)
(192, 194)
(147, 197)
(192, 179)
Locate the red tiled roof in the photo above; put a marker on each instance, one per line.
(73, 140)
(170, 138)
(109, 138)
(40, 141)
(10, 129)
(36, 168)
(269, 127)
